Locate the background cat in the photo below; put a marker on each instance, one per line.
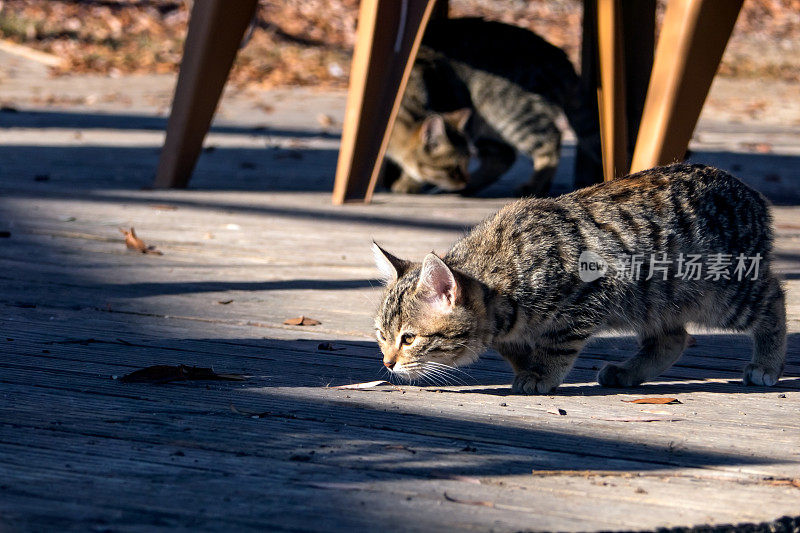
(488, 89)
(513, 282)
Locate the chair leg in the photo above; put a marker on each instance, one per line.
(611, 93)
(216, 28)
(388, 37)
(693, 37)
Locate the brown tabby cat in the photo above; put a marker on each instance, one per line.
(515, 282)
(488, 89)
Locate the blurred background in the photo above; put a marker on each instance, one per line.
(309, 42)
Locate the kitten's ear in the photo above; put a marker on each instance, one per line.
(459, 118)
(432, 132)
(437, 284)
(390, 266)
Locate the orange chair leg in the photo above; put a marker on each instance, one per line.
(388, 37)
(216, 28)
(611, 93)
(693, 37)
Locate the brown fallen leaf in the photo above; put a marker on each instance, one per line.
(301, 321)
(251, 414)
(585, 473)
(761, 147)
(225, 302)
(325, 120)
(658, 401)
(362, 386)
(399, 447)
(480, 503)
(328, 347)
(167, 373)
(785, 482)
(135, 243)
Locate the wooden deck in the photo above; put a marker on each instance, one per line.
(285, 450)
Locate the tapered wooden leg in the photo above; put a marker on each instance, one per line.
(611, 93)
(216, 28)
(388, 37)
(693, 37)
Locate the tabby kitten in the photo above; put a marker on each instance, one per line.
(488, 89)
(513, 283)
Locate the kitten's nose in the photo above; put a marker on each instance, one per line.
(388, 364)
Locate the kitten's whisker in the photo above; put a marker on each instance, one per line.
(440, 373)
(450, 371)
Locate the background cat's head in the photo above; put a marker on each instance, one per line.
(431, 319)
(438, 151)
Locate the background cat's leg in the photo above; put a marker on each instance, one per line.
(545, 158)
(657, 352)
(405, 184)
(543, 367)
(769, 338)
(496, 157)
(588, 165)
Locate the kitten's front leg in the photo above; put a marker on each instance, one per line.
(405, 184)
(540, 368)
(495, 159)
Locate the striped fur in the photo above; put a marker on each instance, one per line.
(513, 82)
(516, 284)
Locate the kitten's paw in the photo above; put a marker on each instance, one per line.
(760, 375)
(531, 383)
(616, 376)
(407, 186)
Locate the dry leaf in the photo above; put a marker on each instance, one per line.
(251, 414)
(479, 503)
(328, 347)
(167, 373)
(301, 321)
(135, 243)
(225, 302)
(362, 386)
(785, 482)
(399, 447)
(585, 473)
(761, 148)
(659, 401)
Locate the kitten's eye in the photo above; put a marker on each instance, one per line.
(407, 339)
